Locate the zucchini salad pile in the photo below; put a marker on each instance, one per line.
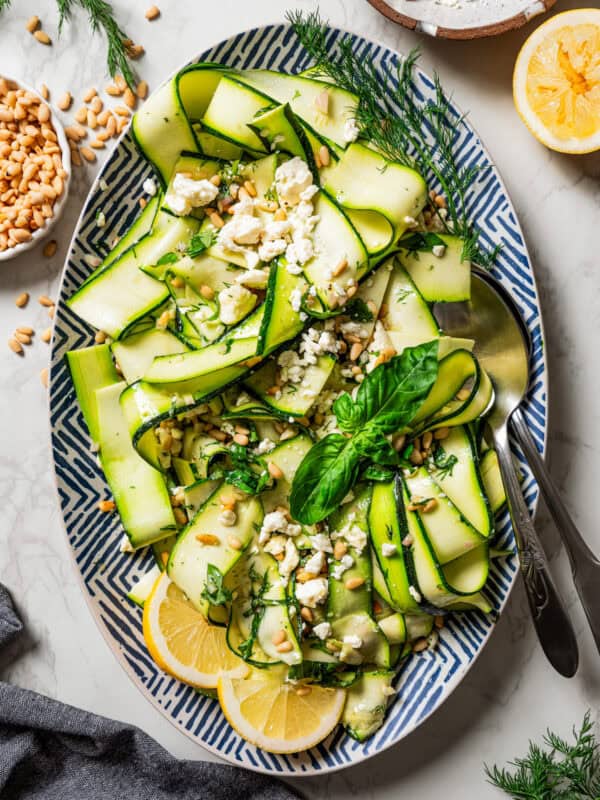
(276, 411)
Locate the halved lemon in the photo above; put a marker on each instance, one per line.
(277, 716)
(556, 82)
(182, 642)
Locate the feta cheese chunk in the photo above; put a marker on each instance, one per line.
(125, 545)
(290, 561)
(187, 193)
(346, 562)
(322, 630)
(351, 130)
(242, 229)
(254, 278)
(291, 179)
(149, 186)
(312, 593)
(355, 642)
(388, 549)
(235, 303)
(315, 563)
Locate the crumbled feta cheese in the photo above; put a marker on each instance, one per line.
(414, 594)
(322, 542)
(410, 222)
(228, 518)
(271, 248)
(277, 229)
(312, 593)
(354, 641)
(242, 229)
(346, 562)
(277, 521)
(125, 545)
(264, 446)
(149, 186)
(276, 544)
(235, 302)
(300, 251)
(351, 130)
(388, 549)
(293, 268)
(254, 278)
(354, 536)
(100, 219)
(187, 193)
(291, 179)
(388, 691)
(290, 560)
(322, 630)
(315, 563)
(296, 299)
(438, 250)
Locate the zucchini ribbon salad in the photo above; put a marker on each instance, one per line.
(276, 410)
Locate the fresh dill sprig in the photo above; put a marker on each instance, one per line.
(391, 118)
(558, 771)
(102, 18)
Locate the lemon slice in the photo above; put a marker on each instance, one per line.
(276, 716)
(182, 642)
(556, 82)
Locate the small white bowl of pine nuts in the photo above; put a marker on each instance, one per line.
(35, 168)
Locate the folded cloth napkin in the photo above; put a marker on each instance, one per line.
(51, 751)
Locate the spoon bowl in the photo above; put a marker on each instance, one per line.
(502, 347)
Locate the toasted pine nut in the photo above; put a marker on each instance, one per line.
(416, 458)
(303, 690)
(15, 346)
(26, 329)
(44, 377)
(89, 95)
(106, 505)
(96, 105)
(33, 23)
(51, 311)
(441, 433)
(280, 215)
(44, 91)
(129, 98)
(113, 90)
(46, 301)
(354, 583)
(463, 394)
(284, 647)
(142, 90)
(208, 539)
(46, 335)
(352, 290)
(180, 516)
(303, 577)
(419, 645)
(98, 144)
(355, 351)
(340, 548)
(234, 543)
(164, 557)
(430, 505)
(216, 180)
(42, 37)
(341, 267)
(306, 614)
(279, 637)
(438, 621)
(440, 201)
(92, 119)
(274, 470)
(241, 439)
(22, 338)
(216, 219)
(122, 111)
(152, 13)
(22, 300)
(64, 102)
(427, 439)
(324, 155)
(50, 249)
(100, 337)
(88, 154)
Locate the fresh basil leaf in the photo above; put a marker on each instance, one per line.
(358, 310)
(376, 473)
(324, 477)
(421, 242)
(214, 591)
(371, 443)
(349, 415)
(167, 258)
(391, 395)
(200, 242)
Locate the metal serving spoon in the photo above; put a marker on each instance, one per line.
(501, 347)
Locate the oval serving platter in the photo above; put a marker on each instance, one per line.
(426, 680)
(455, 19)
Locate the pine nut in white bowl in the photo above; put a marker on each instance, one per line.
(35, 168)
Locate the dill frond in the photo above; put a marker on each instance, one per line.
(396, 123)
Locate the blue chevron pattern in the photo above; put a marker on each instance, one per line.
(425, 681)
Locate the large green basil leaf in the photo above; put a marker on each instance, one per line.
(324, 477)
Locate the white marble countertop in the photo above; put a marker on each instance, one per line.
(511, 694)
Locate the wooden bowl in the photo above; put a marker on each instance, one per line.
(437, 20)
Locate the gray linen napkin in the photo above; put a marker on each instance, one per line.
(51, 751)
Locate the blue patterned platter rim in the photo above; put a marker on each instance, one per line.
(424, 681)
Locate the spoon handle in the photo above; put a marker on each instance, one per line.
(584, 564)
(549, 616)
